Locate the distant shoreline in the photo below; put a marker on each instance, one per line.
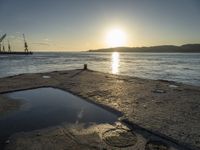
(16, 53)
(187, 48)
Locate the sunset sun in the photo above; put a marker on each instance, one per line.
(116, 37)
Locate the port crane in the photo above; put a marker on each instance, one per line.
(3, 49)
(25, 44)
(1, 39)
(9, 47)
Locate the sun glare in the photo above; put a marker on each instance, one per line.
(116, 38)
(115, 62)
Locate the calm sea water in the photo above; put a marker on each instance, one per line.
(180, 67)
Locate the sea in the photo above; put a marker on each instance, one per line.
(179, 67)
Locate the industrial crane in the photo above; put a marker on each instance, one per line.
(25, 44)
(3, 49)
(9, 47)
(1, 39)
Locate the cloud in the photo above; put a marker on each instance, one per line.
(46, 39)
(41, 43)
(12, 37)
(15, 37)
(44, 42)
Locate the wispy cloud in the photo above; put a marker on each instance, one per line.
(40, 43)
(17, 36)
(46, 39)
(44, 42)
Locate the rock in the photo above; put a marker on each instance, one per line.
(7, 142)
(173, 86)
(38, 134)
(46, 77)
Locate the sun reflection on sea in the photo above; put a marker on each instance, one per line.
(115, 62)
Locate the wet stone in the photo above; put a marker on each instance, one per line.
(119, 137)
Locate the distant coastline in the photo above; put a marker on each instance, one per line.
(16, 53)
(187, 48)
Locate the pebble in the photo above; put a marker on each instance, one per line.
(38, 134)
(145, 106)
(173, 86)
(46, 77)
(7, 141)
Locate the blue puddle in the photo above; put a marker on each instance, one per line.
(45, 107)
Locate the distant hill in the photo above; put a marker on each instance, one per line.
(187, 48)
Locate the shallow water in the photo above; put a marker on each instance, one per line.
(180, 67)
(45, 107)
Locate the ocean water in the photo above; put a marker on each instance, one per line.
(179, 67)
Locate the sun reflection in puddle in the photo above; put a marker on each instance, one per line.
(115, 62)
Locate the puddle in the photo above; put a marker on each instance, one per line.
(45, 107)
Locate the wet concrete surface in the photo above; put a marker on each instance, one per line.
(102, 136)
(50, 107)
(166, 111)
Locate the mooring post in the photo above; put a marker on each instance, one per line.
(85, 67)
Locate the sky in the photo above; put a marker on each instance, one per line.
(76, 25)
